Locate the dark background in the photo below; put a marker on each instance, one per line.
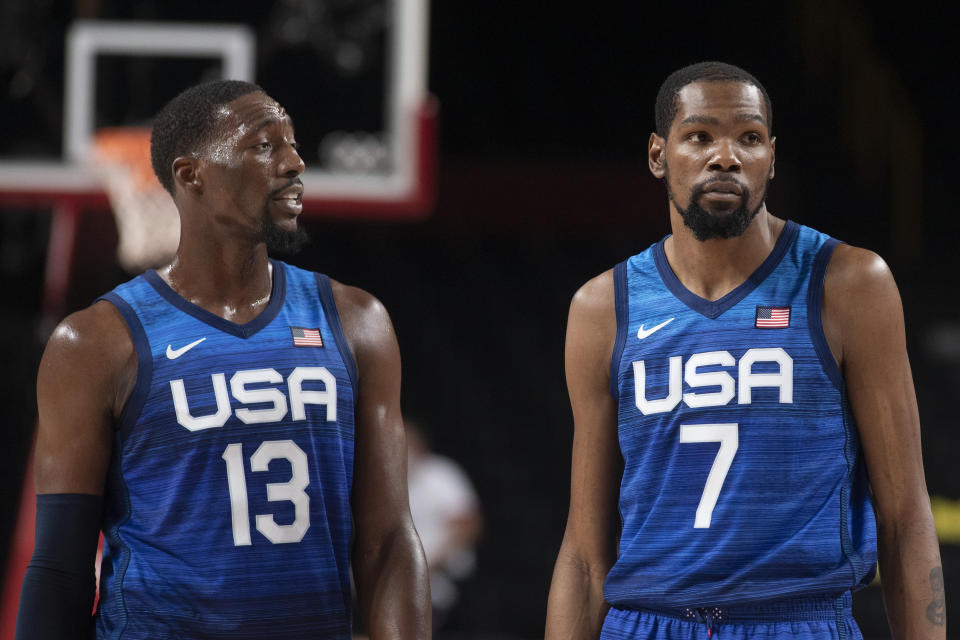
(545, 113)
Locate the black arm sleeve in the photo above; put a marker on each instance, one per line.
(56, 598)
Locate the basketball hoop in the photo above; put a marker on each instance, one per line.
(148, 224)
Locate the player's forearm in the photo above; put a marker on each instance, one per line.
(394, 588)
(912, 577)
(57, 594)
(576, 608)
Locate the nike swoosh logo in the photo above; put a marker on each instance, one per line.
(173, 354)
(643, 333)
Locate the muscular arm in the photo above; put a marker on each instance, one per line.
(576, 607)
(863, 320)
(389, 566)
(87, 372)
(85, 376)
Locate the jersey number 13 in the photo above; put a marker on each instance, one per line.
(292, 490)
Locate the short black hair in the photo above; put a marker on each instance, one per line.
(711, 71)
(187, 122)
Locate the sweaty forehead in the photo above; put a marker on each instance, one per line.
(252, 111)
(720, 101)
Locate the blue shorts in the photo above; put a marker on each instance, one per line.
(796, 619)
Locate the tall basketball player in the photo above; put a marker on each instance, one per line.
(230, 422)
(742, 404)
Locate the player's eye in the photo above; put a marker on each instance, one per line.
(753, 138)
(262, 146)
(698, 137)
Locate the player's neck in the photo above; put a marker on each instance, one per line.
(713, 268)
(229, 279)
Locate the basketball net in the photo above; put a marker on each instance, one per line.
(148, 224)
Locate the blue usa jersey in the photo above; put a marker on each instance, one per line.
(228, 499)
(743, 476)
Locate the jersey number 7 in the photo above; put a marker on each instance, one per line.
(726, 435)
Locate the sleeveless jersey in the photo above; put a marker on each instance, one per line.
(743, 476)
(228, 498)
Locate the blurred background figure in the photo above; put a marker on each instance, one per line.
(447, 516)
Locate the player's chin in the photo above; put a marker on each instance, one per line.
(282, 220)
(282, 241)
(290, 225)
(720, 208)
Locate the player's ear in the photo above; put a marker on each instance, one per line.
(773, 155)
(656, 160)
(186, 173)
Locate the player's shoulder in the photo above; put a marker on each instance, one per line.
(357, 306)
(92, 346)
(859, 297)
(365, 321)
(592, 321)
(97, 329)
(595, 296)
(855, 273)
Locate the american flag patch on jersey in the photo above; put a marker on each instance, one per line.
(306, 337)
(772, 317)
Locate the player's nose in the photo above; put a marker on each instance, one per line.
(291, 164)
(724, 157)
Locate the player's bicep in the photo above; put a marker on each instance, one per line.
(596, 461)
(380, 501)
(77, 385)
(865, 303)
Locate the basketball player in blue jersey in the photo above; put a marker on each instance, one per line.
(230, 422)
(743, 407)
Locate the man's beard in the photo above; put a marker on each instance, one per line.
(705, 225)
(280, 240)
